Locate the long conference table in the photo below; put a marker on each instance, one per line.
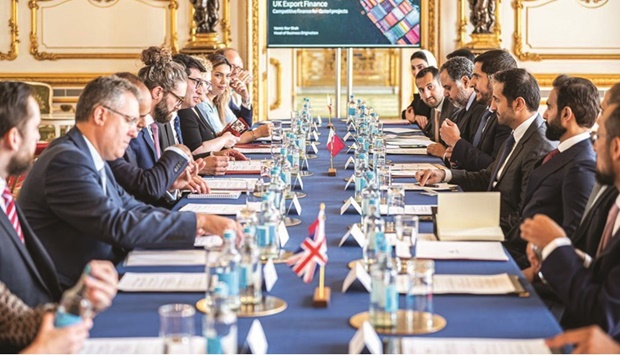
(301, 328)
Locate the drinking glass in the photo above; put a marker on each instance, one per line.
(407, 228)
(419, 300)
(276, 131)
(177, 327)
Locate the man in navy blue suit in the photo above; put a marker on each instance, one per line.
(589, 289)
(75, 205)
(25, 266)
(162, 180)
(560, 183)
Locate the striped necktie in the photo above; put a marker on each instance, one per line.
(11, 212)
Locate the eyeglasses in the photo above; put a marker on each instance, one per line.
(180, 99)
(200, 82)
(131, 120)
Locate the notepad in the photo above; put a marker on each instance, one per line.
(217, 195)
(244, 167)
(134, 345)
(444, 284)
(405, 151)
(254, 150)
(469, 216)
(492, 251)
(219, 209)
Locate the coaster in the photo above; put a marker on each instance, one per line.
(300, 194)
(284, 255)
(311, 156)
(268, 306)
(291, 221)
(404, 323)
(304, 173)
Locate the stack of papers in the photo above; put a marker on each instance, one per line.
(466, 284)
(420, 210)
(254, 150)
(222, 210)
(492, 251)
(163, 282)
(244, 166)
(165, 258)
(237, 184)
(415, 345)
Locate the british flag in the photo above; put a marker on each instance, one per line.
(313, 251)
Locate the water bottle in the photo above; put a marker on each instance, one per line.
(285, 171)
(220, 328)
(223, 272)
(74, 306)
(267, 230)
(384, 294)
(352, 111)
(250, 277)
(373, 228)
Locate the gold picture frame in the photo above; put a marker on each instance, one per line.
(518, 47)
(14, 32)
(33, 5)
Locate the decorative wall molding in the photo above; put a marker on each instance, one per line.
(14, 33)
(37, 23)
(277, 66)
(522, 40)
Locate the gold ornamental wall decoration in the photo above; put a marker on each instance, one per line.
(14, 32)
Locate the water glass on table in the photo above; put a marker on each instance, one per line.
(276, 131)
(419, 299)
(406, 228)
(177, 328)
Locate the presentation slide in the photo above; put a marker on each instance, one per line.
(343, 23)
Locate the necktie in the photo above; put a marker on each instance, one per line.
(177, 128)
(437, 115)
(510, 142)
(609, 226)
(11, 212)
(551, 154)
(155, 130)
(480, 130)
(104, 180)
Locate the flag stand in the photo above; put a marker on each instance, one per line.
(322, 294)
(329, 117)
(331, 171)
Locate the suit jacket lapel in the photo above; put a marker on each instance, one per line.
(146, 136)
(21, 248)
(541, 172)
(522, 142)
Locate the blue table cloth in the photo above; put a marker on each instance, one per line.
(304, 329)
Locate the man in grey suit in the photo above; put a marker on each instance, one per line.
(455, 75)
(516, 97)
(431, 92)
(73, 201)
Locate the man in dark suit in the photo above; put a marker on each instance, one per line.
(516, 97)
(560, 183)
(170, 170)
(75, 205)
(25, 266)
(589, 291)
(431, 92)
(454, 76)
(488, 135)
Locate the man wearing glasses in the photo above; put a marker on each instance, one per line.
(75, 205)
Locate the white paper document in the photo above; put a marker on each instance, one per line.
(413, 166)
(238, 184)
(400, 130)
(208, 241)
(245, 165)
(405, 151)
(222, 210)
(165, 258)
(465, 284)
(134, 346)
(414, 186)
(254, 151)
(420, 210)
(409, 141)
(492, 251)
(469, 216)
(163, 282)
(416, 345)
